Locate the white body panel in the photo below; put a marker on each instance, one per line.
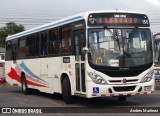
(47, 69)
(103, 89)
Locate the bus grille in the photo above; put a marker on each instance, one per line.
(120, 81)
(128, 88)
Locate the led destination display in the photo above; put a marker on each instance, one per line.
(118, 19)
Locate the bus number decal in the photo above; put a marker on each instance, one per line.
(66, 59)
(145, 21)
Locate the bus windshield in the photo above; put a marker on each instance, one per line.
(120, 47)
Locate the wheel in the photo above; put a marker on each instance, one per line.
(25, 89)
(66, 91)
(122, 98)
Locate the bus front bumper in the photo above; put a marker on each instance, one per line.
(95, 90)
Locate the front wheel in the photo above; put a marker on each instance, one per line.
(66, 91)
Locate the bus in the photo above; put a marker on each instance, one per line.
(156, 38)
(91, 54)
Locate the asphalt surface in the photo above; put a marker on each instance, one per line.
(13, 97)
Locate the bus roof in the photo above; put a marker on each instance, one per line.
(63, 21)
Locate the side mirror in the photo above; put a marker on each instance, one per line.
(85, 50)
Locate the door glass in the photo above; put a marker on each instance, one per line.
(83, 77)
(82, 38)
(77, 77)
(77, 52)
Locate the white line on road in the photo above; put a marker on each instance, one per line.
(134, 101)
(55, 103)
(30, 105)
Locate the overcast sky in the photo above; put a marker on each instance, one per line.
(32, 13)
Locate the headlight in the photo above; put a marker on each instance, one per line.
(147, 77)
(96, 78)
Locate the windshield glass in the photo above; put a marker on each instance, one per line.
(120, 47)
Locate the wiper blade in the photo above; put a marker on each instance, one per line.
(116, 39)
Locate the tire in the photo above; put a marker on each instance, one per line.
(122, 98)
(24, 86)
(66, 91)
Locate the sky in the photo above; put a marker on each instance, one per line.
(32, 13)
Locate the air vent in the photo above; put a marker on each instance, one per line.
(120, 89)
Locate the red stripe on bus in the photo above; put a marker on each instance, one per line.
(111, 94)
(120, 94)
(94, 94)
(103, 94)
(35, 84)
(13, 74)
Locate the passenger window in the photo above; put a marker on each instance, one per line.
(8, 50)
(66, 39)
(30, 49)
(53, 42)
(37, 45)
(22, 47)
(43, 44)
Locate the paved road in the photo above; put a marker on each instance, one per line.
(12, 97)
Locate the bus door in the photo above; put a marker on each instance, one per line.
(79, 41)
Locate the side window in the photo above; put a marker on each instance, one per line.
(53, 42)
(37, 44)
(43, 43)
(30, 49)
(2, 57)
(8, 50)
(22, 47)
(66, 39)
(14, 52)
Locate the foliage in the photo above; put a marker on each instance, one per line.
(9, 29)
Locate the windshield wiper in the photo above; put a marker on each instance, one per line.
(115, 38)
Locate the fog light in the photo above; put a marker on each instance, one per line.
(110, 90)
(147, 88)
(140, 89)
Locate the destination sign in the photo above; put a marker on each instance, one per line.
(118, 19)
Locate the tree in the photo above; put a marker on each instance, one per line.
(10, 29)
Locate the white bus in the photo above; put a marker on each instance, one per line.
(92, 54)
